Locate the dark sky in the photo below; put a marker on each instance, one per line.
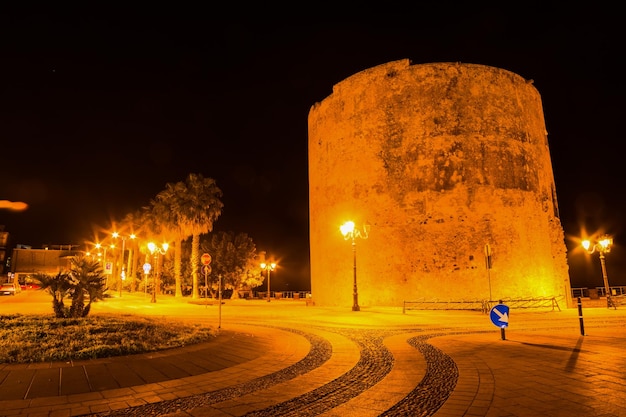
(100, 109)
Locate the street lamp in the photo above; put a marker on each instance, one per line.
(268, 267)
(603, 246)
(103, 261)
(156, 251)
(123, 272)
(350, 233)
(146, 270)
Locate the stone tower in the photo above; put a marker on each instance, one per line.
(439, 161)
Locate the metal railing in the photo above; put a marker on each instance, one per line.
(484, 306)
(600, 291)
(295, 295)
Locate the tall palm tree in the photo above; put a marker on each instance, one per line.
(196, 205)
(162, 207)
(155, 222)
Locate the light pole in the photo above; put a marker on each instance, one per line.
(155, 251)
(350, 233)
(146, 270)
(268, 267)
(103, 261)
(123, 271)
(603, 246)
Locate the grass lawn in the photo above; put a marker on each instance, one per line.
(42, 338)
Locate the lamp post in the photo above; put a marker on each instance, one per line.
(146, 270)
(103, 261)
(268, 267)
(156, 251)
(123, 271)
(603, 246)
(350, 233)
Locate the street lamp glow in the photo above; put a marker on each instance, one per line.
(268, 267)
(603, 246)
(347, 228)
(116, 235)
(350, 233)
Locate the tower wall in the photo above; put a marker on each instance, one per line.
(439, 160)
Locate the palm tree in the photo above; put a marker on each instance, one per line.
(155, 221)
(85, 282)
(89, 285)
(194, 205)
(58, 286)
(162, 210)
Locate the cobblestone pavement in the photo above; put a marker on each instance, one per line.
(374, 364)
(381, 362)
(439, 375)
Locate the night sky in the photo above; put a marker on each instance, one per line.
(100, 109)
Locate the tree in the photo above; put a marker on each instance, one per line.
(155, 222)
(195, 205)
(84, 283)
(58, 286)
(234, 259)
(162, 207)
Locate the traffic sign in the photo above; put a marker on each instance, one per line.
(206, 269)
(205, 258)
(500, 316)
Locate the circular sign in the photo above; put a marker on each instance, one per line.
(206, 269)
(500, 316)
(205, 258)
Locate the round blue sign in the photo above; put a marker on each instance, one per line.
(500, 315)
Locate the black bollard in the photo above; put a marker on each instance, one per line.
(580, 316)
(502, 333)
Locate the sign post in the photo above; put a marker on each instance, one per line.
(206, 269)
(500, 317)
(219, 290)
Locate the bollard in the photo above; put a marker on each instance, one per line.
(580, 316)
(502, 334)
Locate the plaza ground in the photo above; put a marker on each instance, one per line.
(285, 357)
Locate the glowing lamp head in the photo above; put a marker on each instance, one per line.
(605, 243)
(269, 267)
(152, 247)
(347, 228)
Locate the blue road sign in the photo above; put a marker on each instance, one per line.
(500, 316)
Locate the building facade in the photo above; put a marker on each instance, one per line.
(447, 167)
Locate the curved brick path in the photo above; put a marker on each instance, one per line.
(291, 360)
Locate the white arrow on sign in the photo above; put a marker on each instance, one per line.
(503, 317)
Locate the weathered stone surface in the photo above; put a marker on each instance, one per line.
(440, 160)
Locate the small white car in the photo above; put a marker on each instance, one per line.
(7, 288)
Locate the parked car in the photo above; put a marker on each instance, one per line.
(7, 288)
(30, 287)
